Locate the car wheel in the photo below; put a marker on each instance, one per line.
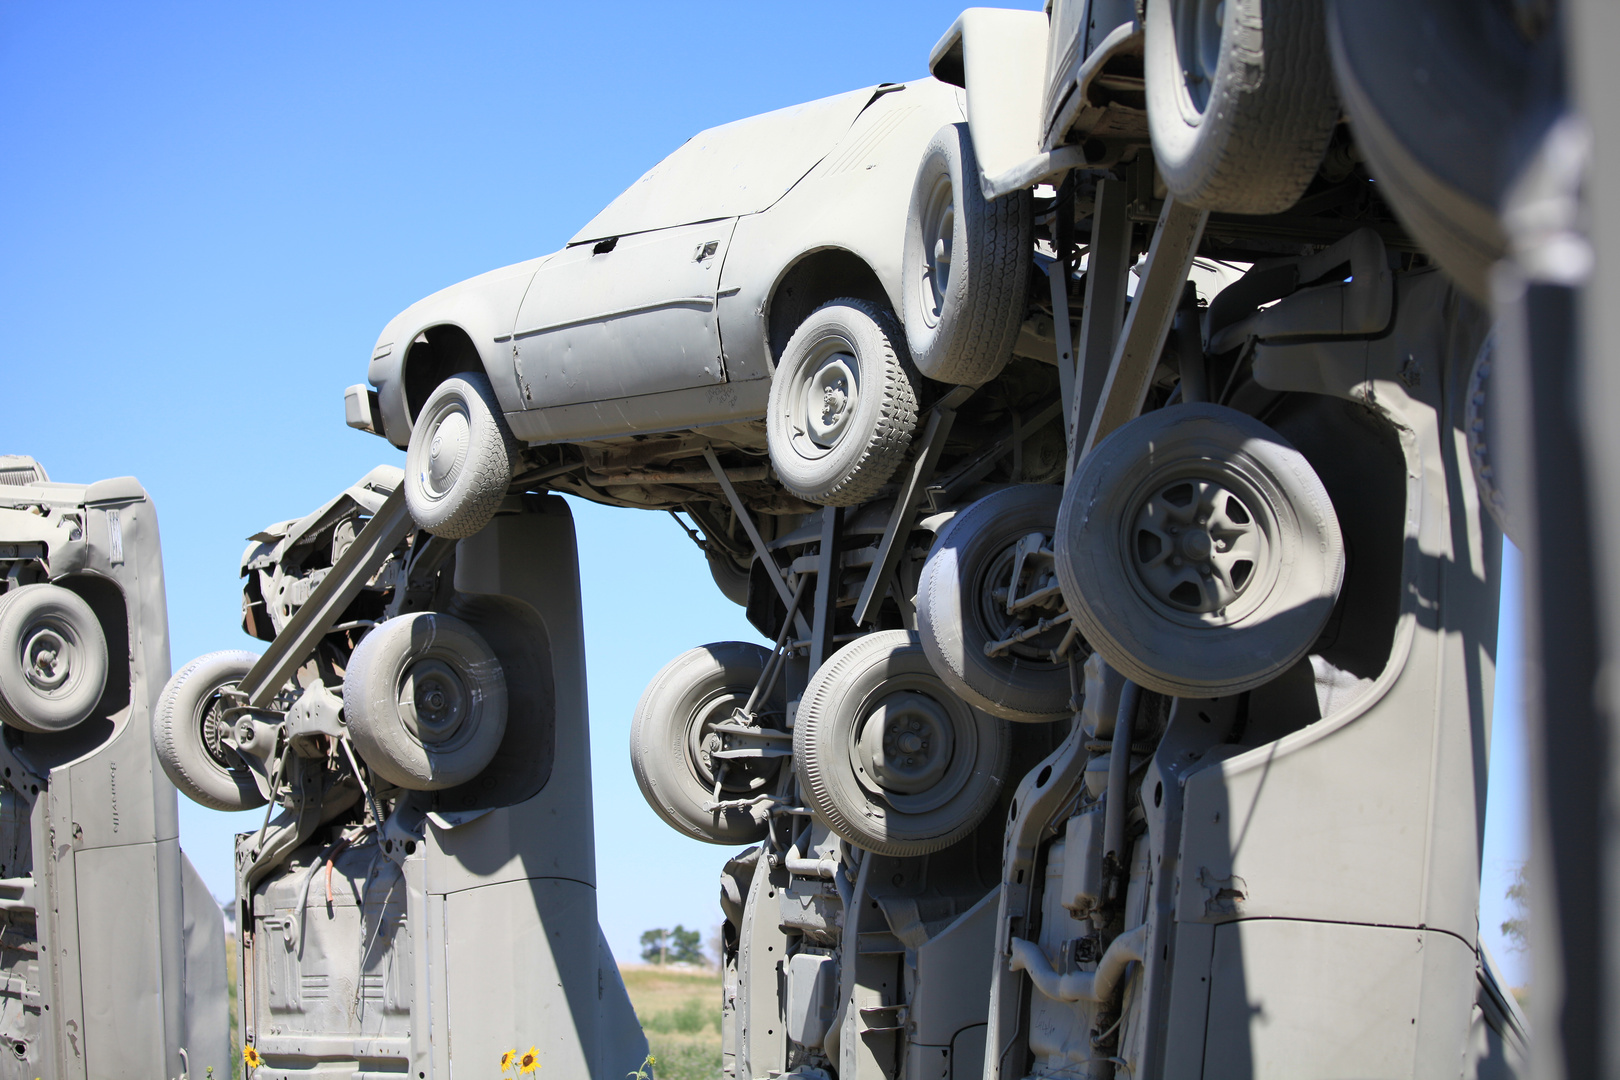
(965, 274)
(1240, 100)
(1447, 100)
(1198, 551)
(995, 552)
(672, 742)
(425, 700)
(730, 576)
(459, 460)
(888, 757)
(843, 404)
(187, 727)
(53, 659)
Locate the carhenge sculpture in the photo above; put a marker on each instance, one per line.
(112, 949)
(1112, 473)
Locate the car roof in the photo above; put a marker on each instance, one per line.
(734, 169)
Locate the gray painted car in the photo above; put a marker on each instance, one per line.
(805, 268)
(112, 949)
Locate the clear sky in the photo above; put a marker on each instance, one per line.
(208, 212)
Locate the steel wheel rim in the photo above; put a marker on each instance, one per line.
(49, 657)
(435, 702)
(823, 405)
(992, 594)
(743, 776)
(963, 740)
(1172, 544)
(906, 743)
(1198, 26)
(938, 242)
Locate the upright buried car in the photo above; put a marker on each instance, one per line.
(112, 950)
(807, 267)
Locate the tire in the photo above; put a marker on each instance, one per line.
(1126, 560)
(425, 701)
(868, 688)
(731, 579)
(841, 448)
(53, 659)
(1447, 100)
(185, 732)
(670, 743)
(958, 613)
(459, 460)
(1253, 140)
(965, 271)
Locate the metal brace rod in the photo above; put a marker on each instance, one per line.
(764, 553)
(1108, 266)
(382, 534)
(898, 529)
(1057, 275)
(978, 467)
(821, 638)
(1147, 327)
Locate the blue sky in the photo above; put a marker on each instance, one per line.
(207, 213)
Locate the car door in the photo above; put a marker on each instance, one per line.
(623, 316)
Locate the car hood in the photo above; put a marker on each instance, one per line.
(734, 169)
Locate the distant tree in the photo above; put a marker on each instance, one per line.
(717, 945)
(1517, 929)
(686, 946)
(655, 946)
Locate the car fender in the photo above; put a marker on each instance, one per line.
(855, 200)
(484, 307)
(999, 57)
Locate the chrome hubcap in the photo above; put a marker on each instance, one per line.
(446, 452)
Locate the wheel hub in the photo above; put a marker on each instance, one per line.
(434, 701)
(830, 398)
(939, 233)
(47, 659)
(737, 776)
(1018, 590)
(1196, 546)
(1198, 25)
(907, 743)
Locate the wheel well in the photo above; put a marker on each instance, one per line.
(815, 279)
(435, 355)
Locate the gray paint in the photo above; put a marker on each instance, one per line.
(114, 950)
(468, 921)
(640, 325)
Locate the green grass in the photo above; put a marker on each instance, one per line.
(680, 1012)
(678, 1058)
(692, 1017)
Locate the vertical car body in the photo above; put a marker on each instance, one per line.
(112, 947)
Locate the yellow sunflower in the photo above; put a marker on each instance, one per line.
(529, 1061)
(507, 1059)
(250, 1056)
